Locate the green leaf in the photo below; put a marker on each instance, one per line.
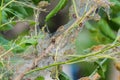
(5, 20)
(3, 41)
(1, 64)
(31, 41)
(116, 20)
(115, 10)
(13, 12)
(19, 49)
(30, 12)
(20, 9)
(60, 5)
(89, 26)
(106, 30)
(4, 14)
(116, 1)
(64, 76)
(102, 70)
(40, 78)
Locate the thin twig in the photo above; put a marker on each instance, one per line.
(75, 8)
(15, 22)
(80, 59)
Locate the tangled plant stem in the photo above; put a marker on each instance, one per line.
(78, 59)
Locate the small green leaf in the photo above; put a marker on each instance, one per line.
(31, 42)
(1, 64)
(89, 26)
(19, 49)
(116, 20)
(106, 30)
(60, 5)
(40, 78)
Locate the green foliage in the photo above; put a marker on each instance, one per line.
(116, 20)
(99, 33)
(22, 43)
(3, 41)
(9, 14)
(1, 64)
(101, 69)
(94, 33)
(12, 12)
(106, 30)
(60, 5)
(40, 78)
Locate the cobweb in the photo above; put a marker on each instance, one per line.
(61, 44)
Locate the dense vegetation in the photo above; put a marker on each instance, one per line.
(92, 39)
